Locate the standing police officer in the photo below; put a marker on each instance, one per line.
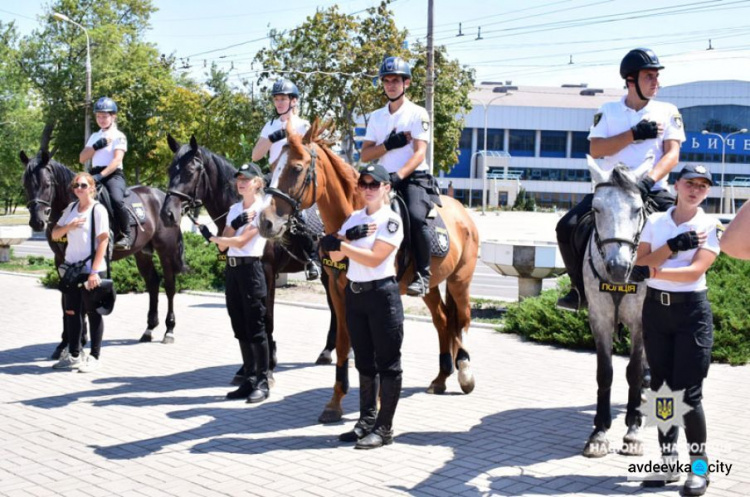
(397, 135)
(106, 149)
(631, 131)
(677, 247)
(374, 313)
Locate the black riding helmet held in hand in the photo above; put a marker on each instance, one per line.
(635, 61)
(104, 297)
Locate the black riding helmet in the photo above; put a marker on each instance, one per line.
(104, 297)
(285, 87)
(634, 62)
(397, 66)
(105, 104)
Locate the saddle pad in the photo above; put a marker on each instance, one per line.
(312, 219)
(138, 211)
(439, 239)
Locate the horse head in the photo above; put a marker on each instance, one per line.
(619, 216)
(297, 182)
(40, 185)
(186, 175)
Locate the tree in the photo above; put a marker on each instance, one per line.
(334, 58)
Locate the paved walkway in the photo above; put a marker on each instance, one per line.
(154, 422)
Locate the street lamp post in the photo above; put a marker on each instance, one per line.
(87, 123)
(486, 107)
(722, 207)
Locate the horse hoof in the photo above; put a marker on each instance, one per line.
(597, 445)
(324, 357)
(271, 380)
(465, 376)
(168, 338)
(330, 416)
(145, 338)
(436, 388)
(631, 443)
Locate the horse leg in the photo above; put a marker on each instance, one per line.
(333, 410)
(270, 300)
(632, 443)
(64, 337)
(458, 305)
(325, 356)
(597, 444)
(169, 287)
(148, 272)
(439, 319)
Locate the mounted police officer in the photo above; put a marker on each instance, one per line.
(370, 238)
(106, 149)
(633, 130)
(397, 136)
(272, 139)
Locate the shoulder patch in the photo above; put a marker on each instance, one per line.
(719, 230)
(393, 225)
(426, 125)
(597, 118)
(677, 121)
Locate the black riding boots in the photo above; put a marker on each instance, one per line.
(576, 298)
(246, 374)
(420, 285)
(369, 387)
(668, 444)
(261, 390)
(382, 433)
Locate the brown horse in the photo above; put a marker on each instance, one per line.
(312, 173)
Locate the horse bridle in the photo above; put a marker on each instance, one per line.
(36, 200)
(633, 243)
(189, 201)
(295, 201)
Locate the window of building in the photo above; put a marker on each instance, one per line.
(465, 141)
(553, 144)
(522, 142)
(580, 145)
(494, 139)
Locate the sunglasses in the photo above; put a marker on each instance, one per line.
(372, 185)
(76, 186)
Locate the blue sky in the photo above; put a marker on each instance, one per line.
(530, 43)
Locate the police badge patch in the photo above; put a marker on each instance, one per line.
(392, 226)
(597, 118)
(426, 125)
(677, 119)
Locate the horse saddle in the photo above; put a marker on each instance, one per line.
(133, 204)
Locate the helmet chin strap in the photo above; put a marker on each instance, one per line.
(394, 99)
(638, 88)
(286, 111)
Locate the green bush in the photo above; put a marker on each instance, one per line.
(204, 271)
(538, 319)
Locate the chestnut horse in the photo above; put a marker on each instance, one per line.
(312, 173)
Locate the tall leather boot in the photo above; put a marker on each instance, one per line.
(695, 432)
(261, 390)
(422, 253)
(248, 367)
(668, 445)
(382, 433)
(369, 387)
(123, 222)
(576, 298)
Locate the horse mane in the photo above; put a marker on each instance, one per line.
(225, 170)
(622, 177)
(62, 174)
(320, 135)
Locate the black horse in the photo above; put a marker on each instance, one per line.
(47, 187)
(199, 177)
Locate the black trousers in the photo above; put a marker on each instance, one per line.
(376, 326)
(79, 302)
(418, 204)
(116, 187)
(246, 294)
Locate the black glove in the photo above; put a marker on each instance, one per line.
(683, 241)
(640, 273)
(98, 177)
(357, 232)
(205, 232)
(395, 180)
(645, 185)
(395, 140)
(99, 144)
(330, 243)
(239, 221)
(645, 130)
(277, 135)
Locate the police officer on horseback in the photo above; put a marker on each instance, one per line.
(397, 136)
(272, 139)
(632, 130)
(106, 149)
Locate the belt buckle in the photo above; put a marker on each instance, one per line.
(665, 299)
(232, 261)
(356, 287)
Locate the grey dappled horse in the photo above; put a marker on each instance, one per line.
(619, 217)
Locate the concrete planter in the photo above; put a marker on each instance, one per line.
(12, 235)
(529, 261)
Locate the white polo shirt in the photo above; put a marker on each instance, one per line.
(79, 239)
(253, 248)
(614, 118)
(300, 126)
(660, 227)
(409, 117)
(104, 156)
(389, 230)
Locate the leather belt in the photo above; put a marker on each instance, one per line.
(366, 286)
(239, 261)
(669, 298)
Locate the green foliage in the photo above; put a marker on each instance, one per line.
(538, 319)
(524, 201)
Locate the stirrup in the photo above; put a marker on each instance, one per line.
(418, 287)
(573, 301)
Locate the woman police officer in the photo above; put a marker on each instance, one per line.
(677, 247)
(374, 313)
(106, 149)
(75, 223)
(246, 289)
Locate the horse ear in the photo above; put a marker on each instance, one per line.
(597, 174)
(24, 158)
(193, 143)
(174, 145)
(44, 156)
(644, 168)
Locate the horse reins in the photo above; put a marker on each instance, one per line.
(295, 201)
